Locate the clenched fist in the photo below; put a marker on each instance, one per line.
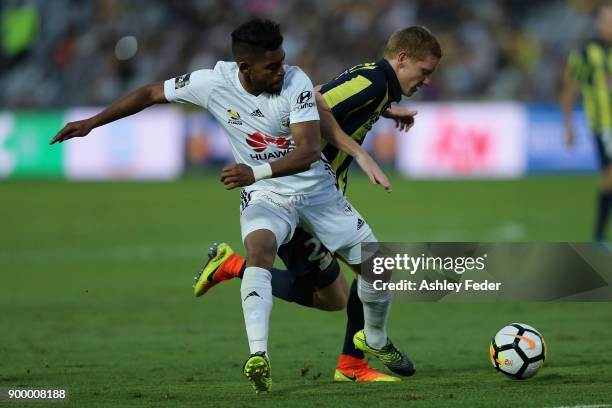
(237, 175)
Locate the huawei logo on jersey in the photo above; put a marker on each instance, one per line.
(260, 142)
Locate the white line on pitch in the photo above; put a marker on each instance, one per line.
(584, 406)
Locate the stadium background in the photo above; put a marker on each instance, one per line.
(95, 292)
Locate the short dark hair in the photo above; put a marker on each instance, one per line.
(253, 38)
(417, 42)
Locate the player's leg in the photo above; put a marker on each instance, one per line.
(373, 339)
(256, 288)
(316, 267)
(256, 295)
(306, 282)
(604, 202)
(334, 296)
(312, 277)
(315, 273)
(354, 323)
(263, 227)
(224, 264)
(342, 229)
(351, 363)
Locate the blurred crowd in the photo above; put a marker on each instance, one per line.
(76, 53)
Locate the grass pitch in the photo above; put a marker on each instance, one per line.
(95, 297)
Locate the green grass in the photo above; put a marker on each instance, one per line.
(95, 297)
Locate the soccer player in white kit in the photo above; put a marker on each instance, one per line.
(269, 114)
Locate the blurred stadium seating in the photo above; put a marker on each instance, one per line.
(69, 54)
(506, 50)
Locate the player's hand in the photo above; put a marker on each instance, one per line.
(237, 175)
(73, 129)
(569, 137)
(374, 173)
(404, 118)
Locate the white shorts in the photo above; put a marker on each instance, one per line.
(329, 217)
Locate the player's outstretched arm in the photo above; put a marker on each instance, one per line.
(307, 138)
(404, 118)
(128, 105)
(569, 95)
(333, 133)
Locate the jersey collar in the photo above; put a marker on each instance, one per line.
(394, 85)
(241, 89)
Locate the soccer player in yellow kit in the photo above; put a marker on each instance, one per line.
(590, 68)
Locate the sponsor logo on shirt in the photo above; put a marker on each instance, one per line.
(181, 81)
(348, 210)
(234, 117)
(284, 124)
(360, 223)
(257, 113)
(245, 199)
(304, 100)
(260, 142)
(371, 120)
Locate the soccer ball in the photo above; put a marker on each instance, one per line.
(518, 350)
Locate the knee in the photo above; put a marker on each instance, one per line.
(261, 250)
(262, 258)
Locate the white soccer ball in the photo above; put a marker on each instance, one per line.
(518, 350)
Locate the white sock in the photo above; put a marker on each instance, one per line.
(256, 294)
(376, 305)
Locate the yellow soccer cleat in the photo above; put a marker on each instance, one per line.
(352, 369)
(212, 272)
(391, 356)
(258, 371)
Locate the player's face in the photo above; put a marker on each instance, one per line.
(267, 73)
(604, 23)
(414, 74)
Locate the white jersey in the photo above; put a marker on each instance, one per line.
(257, 126)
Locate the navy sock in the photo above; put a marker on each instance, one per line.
(301, 290)
(285, 286)
(354, 322)
(603, 211)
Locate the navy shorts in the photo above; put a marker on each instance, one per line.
(304, 255)
(604, 157)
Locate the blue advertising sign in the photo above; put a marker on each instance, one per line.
(546, 148)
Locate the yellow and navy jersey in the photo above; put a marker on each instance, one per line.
(357, 98)
(592, 66)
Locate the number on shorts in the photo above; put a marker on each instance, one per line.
(315, 255)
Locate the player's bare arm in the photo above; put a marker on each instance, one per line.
(307, 137)
(128, 105)
(333, 133)
(404, 118)
(569, 95)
